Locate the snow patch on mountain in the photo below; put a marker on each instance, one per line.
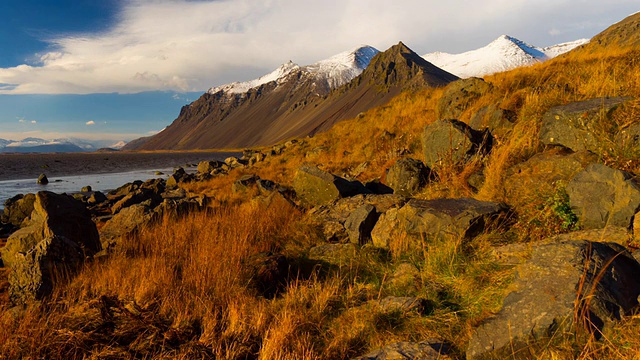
(335, 71)
(504, 53)
(118, 145)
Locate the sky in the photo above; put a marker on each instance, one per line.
(121, 69)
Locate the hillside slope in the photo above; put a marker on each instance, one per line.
(295, 104)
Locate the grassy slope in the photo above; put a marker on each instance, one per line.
(181, 290)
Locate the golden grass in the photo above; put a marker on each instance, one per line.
(182, 288)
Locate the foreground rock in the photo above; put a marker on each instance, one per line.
(457, 218)
(54, 215)
(424, 350)
(601, 196)
(408, 176)
(18, 208)
(575, 126)
(316, 187)
(602, 278)
(453, 141)
(58, 237)
(460, 95)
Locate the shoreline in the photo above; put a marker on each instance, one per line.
(26, 166)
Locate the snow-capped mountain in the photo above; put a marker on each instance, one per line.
(332, 73)
(32, 144)
(504, 53)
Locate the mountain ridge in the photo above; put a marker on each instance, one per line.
(292, 106)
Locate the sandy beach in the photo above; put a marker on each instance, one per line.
(26, 166)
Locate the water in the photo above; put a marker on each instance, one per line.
(93, 173)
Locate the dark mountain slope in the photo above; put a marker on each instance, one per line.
(293, 106)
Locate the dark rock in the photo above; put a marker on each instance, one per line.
(476, 180)
(539, 176)
(498, 121)
(408, 176)
(124, 190)
(54, 215)
(266, 187)
(18, 208)
(207, 167)
(596, 283)
(575, 126)
(243, 183)
(174, 194)
(34, 274)
(124, 223)
(316, 187)
(438, 218)
(42, 179)
(424, 350)
(376, 187)
(96, 198)
(453, 140)
(86, 189)
(459, 95)
(179, 176)
(155, 186)
(360, 223)
(136, 197)
(601, 196)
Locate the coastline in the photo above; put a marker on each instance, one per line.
(20, 166)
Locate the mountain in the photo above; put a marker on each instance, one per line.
(295, 101)
(32, 144)
(504, 53)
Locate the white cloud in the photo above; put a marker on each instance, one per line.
(22, 121)
(90, 122)
(34, 122)
(186, 45)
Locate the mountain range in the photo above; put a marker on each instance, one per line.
(37, 145)
(294, 101)
(502, 54)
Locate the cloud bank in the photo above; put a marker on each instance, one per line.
(184, 45)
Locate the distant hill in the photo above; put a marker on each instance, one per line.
(503, 54)
(33, 144)
(296, 101)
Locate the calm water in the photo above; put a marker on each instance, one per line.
(102, 181)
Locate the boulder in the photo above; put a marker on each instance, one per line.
(35, 273)
(18, 208)
(629, 137)
(407, 176)
(498, 121)
(578, 125)
(459, 95)
(124, 223)
(453, 141)
(424, 350)
(439, 218)
(179, 176)
(601, 196)
(539, 177)
(596, 283)
(316, 187)
(96, 198)
(124, 190)
(42, 179)
(385, 229)
(139, 196)
(86, 189)
(54, 215)
(360, 223)
(243, 183)
(636, 227)
(206, 167)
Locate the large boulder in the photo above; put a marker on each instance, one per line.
(360, 223)
(577, 125)
(595, 283)
(459, 95)
(124, 223)
(316, 187)
(453, 141)
(407, 176)
(499, 121)
(540, 176)
(34, 274)
(18, 208)
(459, 218)
(206, 167)
(54, 215)
(601, 196)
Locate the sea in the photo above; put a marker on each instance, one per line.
(101, 179)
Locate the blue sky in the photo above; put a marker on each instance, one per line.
(118, 69)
